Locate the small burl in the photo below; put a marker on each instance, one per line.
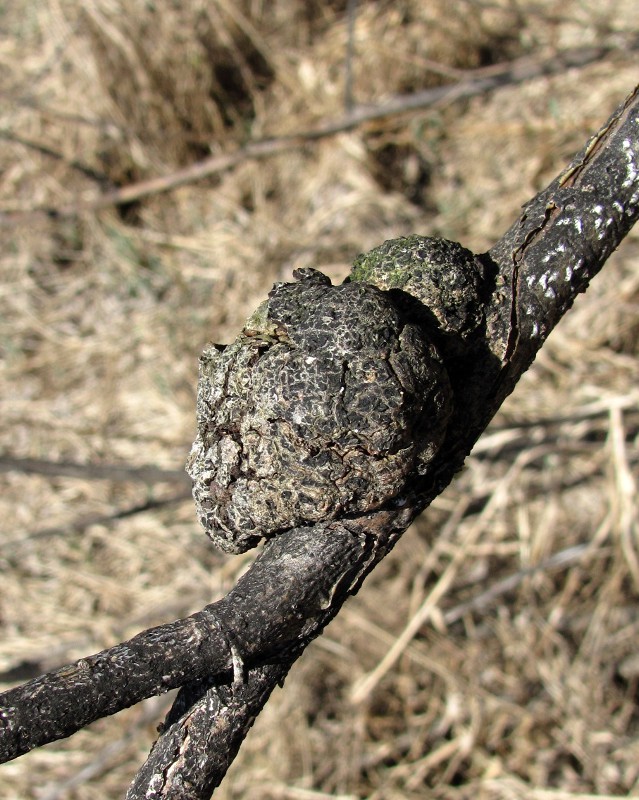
(324, 406)
(443, 276)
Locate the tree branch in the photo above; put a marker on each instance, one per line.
(561, 240)
(303, 569)
(301, 579)
(205, 719)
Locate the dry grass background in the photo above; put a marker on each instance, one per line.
(495, 654)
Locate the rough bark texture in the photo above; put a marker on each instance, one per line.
(562, 239)
(296, 572)
(526, 283)
(322, 408)
(202, 736)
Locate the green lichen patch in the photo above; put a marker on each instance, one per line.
(443, 275)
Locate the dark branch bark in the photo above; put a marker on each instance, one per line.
(206, 720)
(299, 582)
(562, 239)
(303, 570)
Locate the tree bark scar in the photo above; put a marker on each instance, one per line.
(572, 174)
(518, 257)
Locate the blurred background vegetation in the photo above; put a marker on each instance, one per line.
(511, 608)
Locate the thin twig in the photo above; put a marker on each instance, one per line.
(80, 524)
(560, 560)
(46, 150)
(477, 82)
(351, 15)
(108, 472)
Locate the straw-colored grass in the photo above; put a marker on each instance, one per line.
(495, 653)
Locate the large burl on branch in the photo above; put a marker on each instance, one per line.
(332, 397)
(336, 417)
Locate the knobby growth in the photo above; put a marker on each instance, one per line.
(338, 415)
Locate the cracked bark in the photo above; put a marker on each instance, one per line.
(300, 580)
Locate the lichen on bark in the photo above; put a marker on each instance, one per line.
(327, 402)
(442, 275)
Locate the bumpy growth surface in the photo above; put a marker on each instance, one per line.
(323, 406)
(444, 276)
